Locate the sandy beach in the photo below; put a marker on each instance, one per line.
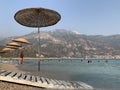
(12, 86)
(23, 68)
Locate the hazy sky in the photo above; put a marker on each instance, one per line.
(91, 17)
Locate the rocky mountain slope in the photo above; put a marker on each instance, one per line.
(64, 43)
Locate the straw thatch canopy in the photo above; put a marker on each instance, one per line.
(37, 17)
(7, 49)
(14, 44)
(1, 52)
(12, 47)
(21, 40)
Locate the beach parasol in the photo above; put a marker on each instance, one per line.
(1, 52)
(12, 47)
(37, 18)
(21, 40)
(14, 44)
(6, 49)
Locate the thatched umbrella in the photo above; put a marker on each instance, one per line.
(37, 18)
(1, 52)
(12, 47)
(24, 41)
(7, 49)
(13, 44)
(21, 40)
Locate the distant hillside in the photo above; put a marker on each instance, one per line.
(64, 43)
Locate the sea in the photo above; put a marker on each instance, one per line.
(102, 74)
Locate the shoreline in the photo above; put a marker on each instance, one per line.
(55, 58)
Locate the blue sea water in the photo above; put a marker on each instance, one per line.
(100, 74)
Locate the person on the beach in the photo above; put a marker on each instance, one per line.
(21, 58)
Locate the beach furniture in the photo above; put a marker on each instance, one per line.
(37, 81)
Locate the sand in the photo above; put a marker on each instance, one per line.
(10, 67)
(23, 68)
(12, 86)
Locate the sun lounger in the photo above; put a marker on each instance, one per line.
(42, 82)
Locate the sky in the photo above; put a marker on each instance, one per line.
(90, 17)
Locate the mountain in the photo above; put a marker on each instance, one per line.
(65, 43)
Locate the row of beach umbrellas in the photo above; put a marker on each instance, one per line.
(15, 44)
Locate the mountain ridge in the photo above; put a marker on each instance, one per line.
(65, 43)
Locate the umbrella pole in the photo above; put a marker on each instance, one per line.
(38, 49)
